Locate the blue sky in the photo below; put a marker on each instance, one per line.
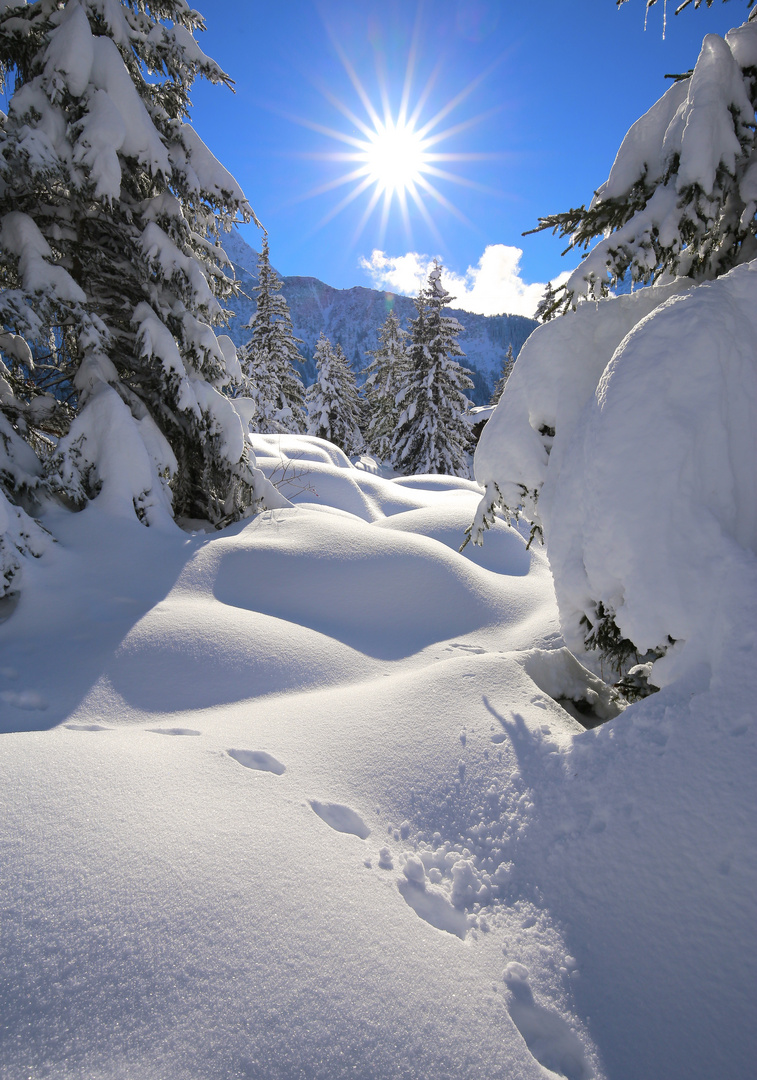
(535, 98)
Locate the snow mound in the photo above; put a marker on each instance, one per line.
(273, 450)
(349, 582)
(436, 482)
(653, 408)
(308, 470)
(375, 844)
(505, 550)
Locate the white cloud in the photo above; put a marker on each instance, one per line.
(494, 287)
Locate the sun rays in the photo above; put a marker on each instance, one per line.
(393, 158)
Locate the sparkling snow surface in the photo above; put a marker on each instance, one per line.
(293, 801)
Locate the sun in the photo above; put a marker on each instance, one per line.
(393, 156)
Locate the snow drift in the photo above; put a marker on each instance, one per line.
(300, 799)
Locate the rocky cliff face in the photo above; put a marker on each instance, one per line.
(352, 318)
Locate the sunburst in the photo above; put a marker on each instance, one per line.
(394, 158)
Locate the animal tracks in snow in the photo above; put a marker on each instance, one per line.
(549, 1038)
(434, 908)
(258, 760)
(341, 818)
(337, 816)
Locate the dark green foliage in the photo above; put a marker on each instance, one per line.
(334, 408)
(385, 375)
(629, 669)
(507, 369)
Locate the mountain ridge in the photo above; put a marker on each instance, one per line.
(352, 318)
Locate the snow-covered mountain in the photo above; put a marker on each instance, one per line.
(352, 317)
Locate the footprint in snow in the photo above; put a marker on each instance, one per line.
(466, 648)
(173, 731)
(341, 818)
(434, 908)
(86, 727)
(258, 760)
(28, 700)
(549, 1038)
(429, 903)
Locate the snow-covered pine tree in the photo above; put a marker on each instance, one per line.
(507, 368)
(112, 274)
(681, 197)
(385, 375)
(333, 401)
(433, 434)
(268, 359)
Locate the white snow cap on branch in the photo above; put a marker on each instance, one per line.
(127, 457)
(692, 119)
(161, 250)
(70, 54)
(20, 537)
(141, 140)
(102, 133)
(155, 339)
(21, 236)
(203, 170)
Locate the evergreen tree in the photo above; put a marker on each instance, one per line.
(333, 401)
(385, 375)
(269, 357)
(507, 369)
(433, 435)
(110, 265)
(681, 197)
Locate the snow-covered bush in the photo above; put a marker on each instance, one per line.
(112, 273)
(634, 452)
(627, 436)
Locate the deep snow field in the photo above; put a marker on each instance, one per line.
(297, 800)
